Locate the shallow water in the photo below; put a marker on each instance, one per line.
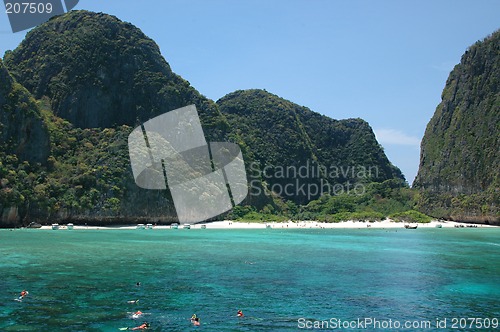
(80, 280)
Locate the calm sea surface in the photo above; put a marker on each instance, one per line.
(81, 280)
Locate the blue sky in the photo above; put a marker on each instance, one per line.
(383, 61)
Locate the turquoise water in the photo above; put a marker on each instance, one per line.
(80, 280)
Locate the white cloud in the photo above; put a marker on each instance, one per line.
(395, 137)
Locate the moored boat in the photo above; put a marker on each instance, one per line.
(55, 226)
(410, 226)
(140, 226)
(70, 226)
(186, 226)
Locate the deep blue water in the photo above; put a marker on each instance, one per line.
(80, 280)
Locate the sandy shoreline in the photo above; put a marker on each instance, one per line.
(227, 224)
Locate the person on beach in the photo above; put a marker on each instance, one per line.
(240, 313)
(143, 326)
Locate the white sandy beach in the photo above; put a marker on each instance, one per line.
(227, 224)
(314, 224)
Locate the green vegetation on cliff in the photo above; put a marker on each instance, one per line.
(389, 199)
(459, 172)
(87, 178)
(95, 78)
(24, 140)
(293, 145)
(101, 72)
(83, 81)
(22, 130)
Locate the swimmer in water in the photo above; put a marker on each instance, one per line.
(22, 295)
(143, 326)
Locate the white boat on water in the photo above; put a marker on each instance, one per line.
(140, 226)
(70, 226)
(186, 226)
(203, 226)
(174, 225)
(149, 226)
(55, 226)
(439, 225)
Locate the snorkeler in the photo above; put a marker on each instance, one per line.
(240, 313)
(195, 320)
(143, 326)
(22, 295)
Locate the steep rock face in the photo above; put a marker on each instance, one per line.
(24, 138)
(303, 149)
(92, 72)
(97, 78)
(22, 131)
(101, 72)
(460, 151)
